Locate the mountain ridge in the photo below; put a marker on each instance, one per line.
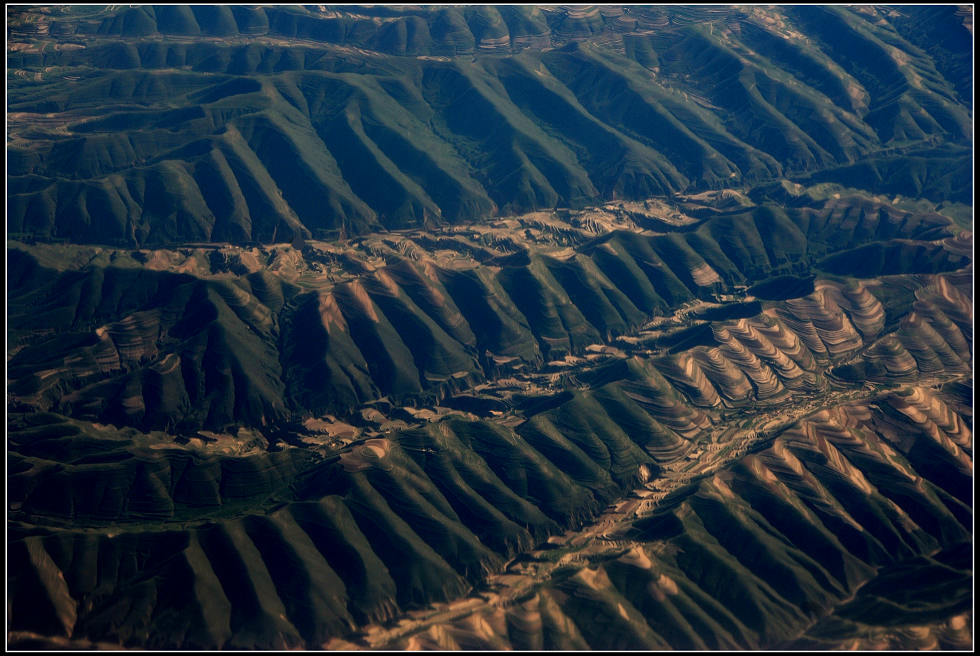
(392, 141)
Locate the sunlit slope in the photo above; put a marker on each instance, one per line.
(935, 338)
(557, 328)
(234, 339)
(811, 534)
(748, 557)
(268, 545)
(386, 525)
(153, 125)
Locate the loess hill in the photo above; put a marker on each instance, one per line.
(489, 327)
(156, 125)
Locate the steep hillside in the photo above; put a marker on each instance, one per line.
(742, 453)
(489, 327)
(299, 547)
(156, 125)
(809, 534)
(212, 338)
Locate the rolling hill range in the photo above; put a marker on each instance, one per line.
(557, 481)
(789, 511)
(212, 338)
(158, 125)
(746, 557)
(490, 327)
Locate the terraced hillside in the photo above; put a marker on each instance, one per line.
(273, 524)
(299, 546)
(489, 327)
(283, 122)
(810, 533)
(264, 335)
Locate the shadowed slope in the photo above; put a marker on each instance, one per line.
(375, 113)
